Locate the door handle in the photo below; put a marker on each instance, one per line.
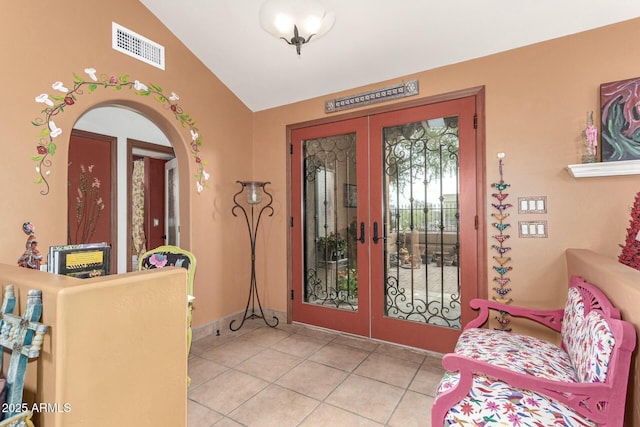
(375, 233)
(362, 237)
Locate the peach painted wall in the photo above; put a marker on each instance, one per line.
(44, 43)
(537, 98)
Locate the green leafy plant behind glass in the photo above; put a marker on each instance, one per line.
(332, 244)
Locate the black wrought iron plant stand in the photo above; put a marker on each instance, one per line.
(258, 208)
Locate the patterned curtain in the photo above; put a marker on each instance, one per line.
(137, 210)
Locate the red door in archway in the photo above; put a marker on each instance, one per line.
(91, 190)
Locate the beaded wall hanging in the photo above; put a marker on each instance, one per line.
(501, 288)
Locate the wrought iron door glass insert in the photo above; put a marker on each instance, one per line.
(330, 258)
(422, 271)
(252, 216)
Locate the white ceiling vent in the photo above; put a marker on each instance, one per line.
(137, 46)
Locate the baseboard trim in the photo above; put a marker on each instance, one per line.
(220, 326)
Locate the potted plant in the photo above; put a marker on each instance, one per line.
(332, 247)
(348, 281)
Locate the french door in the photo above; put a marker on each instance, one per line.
(329, 188)
(385, 241)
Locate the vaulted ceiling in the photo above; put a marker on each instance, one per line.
(371, 41)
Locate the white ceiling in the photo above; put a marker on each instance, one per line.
(371, 41)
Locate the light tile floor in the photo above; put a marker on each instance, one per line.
(295, 375)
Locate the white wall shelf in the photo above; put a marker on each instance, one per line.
(623, 167)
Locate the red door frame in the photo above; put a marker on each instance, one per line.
(154, 202)
(478, 95)
(145, 147)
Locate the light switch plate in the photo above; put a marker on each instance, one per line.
(532, 205)
(529, 229)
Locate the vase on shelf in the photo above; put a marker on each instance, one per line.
(590, 141)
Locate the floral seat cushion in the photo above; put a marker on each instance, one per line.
(520, 353)
(166, 259)
(572, 320)
(591, 360)
(494, 403)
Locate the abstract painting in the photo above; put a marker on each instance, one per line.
(620, 108)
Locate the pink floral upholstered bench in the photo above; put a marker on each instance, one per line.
(498, 378)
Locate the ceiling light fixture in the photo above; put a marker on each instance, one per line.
(295, 21)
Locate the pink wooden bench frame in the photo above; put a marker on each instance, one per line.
(601, 402)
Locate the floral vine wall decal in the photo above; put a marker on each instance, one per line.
(502, 282)
(66, 97)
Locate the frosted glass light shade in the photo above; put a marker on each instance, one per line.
(278, 17)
